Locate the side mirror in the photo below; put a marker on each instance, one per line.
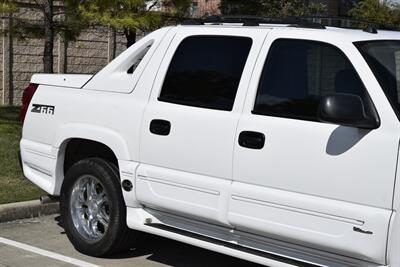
(346, 110)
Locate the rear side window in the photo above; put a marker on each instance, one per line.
(138, 59)
(298, 73)
(205, 71)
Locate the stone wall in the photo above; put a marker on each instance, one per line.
(92, 50)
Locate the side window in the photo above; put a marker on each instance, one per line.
(298, 73)
(138, 59)
(205, 71)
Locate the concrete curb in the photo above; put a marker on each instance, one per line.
(27, 209)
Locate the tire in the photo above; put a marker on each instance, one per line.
(92, 208)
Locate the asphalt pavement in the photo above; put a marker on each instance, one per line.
(42, 242)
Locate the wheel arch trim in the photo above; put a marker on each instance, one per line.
(99, 134)
(102, 135)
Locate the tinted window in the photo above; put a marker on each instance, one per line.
(205, 71)
(383, 57)
(298, 73)
(138, 59)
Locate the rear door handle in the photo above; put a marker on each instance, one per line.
(252, 140)
(160, 127)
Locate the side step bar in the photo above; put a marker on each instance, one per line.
(182, 230)
(236, 248)
(196, 240)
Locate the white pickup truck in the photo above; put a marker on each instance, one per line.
(277, 144)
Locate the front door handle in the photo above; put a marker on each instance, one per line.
(160, 127)
(252, 140)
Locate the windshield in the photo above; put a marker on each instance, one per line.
(383, 57)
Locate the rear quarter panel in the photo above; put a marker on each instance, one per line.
(106, 116)
(86, 114)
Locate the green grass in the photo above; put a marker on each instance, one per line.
(13, 187)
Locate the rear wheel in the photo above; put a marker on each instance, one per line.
(93, 210)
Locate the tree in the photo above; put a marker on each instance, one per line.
(8, 7)
(47, 7)
(380, 13)
(60, 18)
(130, 16)
(270, 8)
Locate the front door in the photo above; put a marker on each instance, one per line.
(296, 179)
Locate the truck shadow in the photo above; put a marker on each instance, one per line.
(173, 253)
(343, 139)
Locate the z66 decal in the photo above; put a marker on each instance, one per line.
(46, 109)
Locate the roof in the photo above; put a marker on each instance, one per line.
(305, 24)
(351, 35)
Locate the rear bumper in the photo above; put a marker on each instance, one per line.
(39, 165)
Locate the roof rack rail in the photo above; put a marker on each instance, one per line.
(311, 22)
(346, 22)
(254, 21)
(370, 29)
(309, 25)
(251, 23)
(192, 22)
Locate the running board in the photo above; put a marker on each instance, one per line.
(215, 238)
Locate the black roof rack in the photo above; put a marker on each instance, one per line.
(254, 21)
(311, 22)
(192, 22)
(309, 25)
(371, 29)
(251, 23)
(347, 23)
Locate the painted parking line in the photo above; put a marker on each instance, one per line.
(46, 253)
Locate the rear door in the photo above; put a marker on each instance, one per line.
(189, 124)
(315, 184)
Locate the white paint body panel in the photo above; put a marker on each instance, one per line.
(198, 180)
(177, 192)
(299, 197)
(311, 174)
(39, 164)
(311, 221)
(96, 115)
(114, 76)
(65, 80)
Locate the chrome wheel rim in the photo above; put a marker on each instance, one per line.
(90, 208)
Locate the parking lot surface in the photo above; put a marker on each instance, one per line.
(42, 242)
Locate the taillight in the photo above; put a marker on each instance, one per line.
(26, 100)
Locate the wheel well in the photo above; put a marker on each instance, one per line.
(78, 149)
